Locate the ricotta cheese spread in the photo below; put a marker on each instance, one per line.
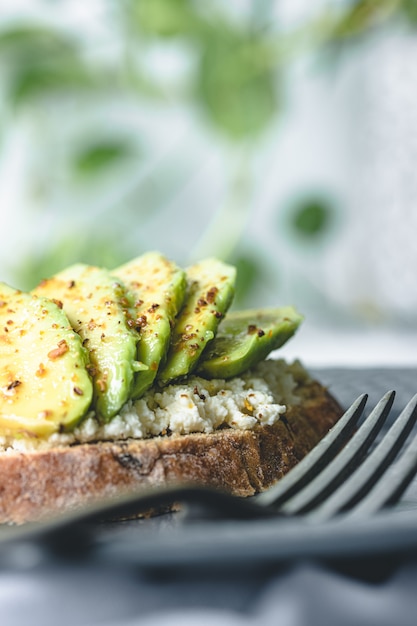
(260, 396)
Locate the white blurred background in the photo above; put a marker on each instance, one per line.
(278, 135)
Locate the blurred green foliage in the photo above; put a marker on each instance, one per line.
(27, 42)
(410, 11)
(164, 18)
(236, 85)
(38, 60)
(100, 155)
(235, 80)
(361, 16)
(311, 218)
(237, 74)
(49, 76)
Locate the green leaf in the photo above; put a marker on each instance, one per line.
(409, 8)
(26, 41)
(360, 17)
(235, 84)
(40, 61)
(163, 18)
(93, 159)
(311, 218)
(38, 80)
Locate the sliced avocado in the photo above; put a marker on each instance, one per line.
(98, 310)
(246, 337)
(158, 289)
(210, 292)
(44, 384)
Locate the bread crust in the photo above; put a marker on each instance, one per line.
(36, 485)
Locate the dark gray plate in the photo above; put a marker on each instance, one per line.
(171, 541)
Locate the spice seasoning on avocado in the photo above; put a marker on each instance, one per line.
(13, 385)
(101, 384)
(141, 321)
(41, 371)
(211, 294)
(91, 370)
(59, 351)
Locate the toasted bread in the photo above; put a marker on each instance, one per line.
(39, 483)
(163, 385)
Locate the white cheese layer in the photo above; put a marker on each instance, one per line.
(259, 396)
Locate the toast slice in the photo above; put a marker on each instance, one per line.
(39, 483)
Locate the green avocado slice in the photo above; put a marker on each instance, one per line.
(210, 293)
(44, 384)
(99, 311)
(246, 337)
(158, 288)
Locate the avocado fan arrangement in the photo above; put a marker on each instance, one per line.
(92, 339)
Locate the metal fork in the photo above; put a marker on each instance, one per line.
(347, 472)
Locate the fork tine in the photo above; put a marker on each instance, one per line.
(355, 489)
(315, 460)
(398, 476)
(343, 464)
